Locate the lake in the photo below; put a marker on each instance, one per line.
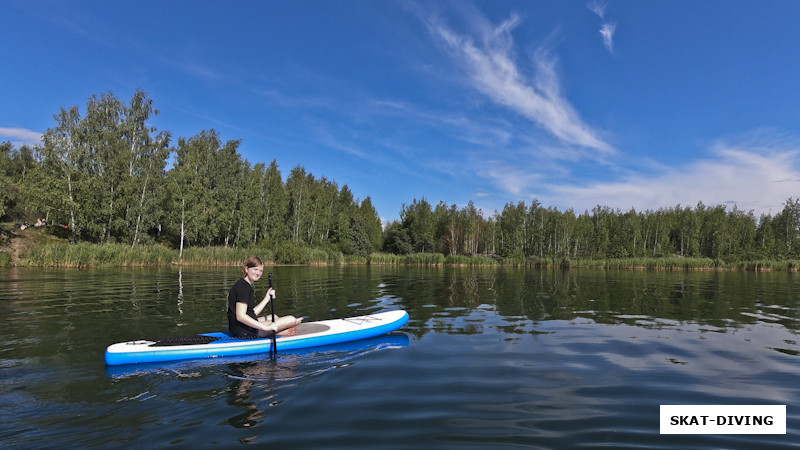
(491, 358)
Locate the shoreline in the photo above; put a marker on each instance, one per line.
(39, 249)
(92, 256)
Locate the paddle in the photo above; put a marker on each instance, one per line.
(273, 351)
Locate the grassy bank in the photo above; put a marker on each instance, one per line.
(83, 255)
(49, 247)
(668, 263)
(41, 248)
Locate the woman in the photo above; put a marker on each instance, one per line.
(243, 320)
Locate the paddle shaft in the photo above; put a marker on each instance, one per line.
(272, 300)
(273, 352)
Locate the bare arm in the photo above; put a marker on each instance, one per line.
(260, 307)
(241, 316)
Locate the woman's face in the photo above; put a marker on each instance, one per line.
(254, 274)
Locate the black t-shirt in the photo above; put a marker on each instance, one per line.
(241, 292)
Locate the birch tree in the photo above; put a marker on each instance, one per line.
(66, 181)
(145, 172)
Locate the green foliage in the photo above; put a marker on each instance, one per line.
(768, 265)
(532, 235)
(8, 193)
(418, 221)
(293, 252)
(425, 259)
(384, 259)
(334, 256)
(84, 254)
(103, 176)
(396, 240)
(5, 259)
(417, 259)
(217, 256)
(355, 260)
(513, 262)
(270, 205)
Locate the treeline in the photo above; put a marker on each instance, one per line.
(531, 231)
(108, 176)
(104, 176)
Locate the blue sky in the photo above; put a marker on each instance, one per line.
(627, 104)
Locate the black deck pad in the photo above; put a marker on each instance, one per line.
(184, 340)
(199, 339)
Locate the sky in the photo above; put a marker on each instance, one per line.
(625, 104)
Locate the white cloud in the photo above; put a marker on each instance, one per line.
(564, 169)
(607, 32)
(598, 8)
(752, 178)
(492, 69)
(510, 178)
(608, 28)
(21, 136)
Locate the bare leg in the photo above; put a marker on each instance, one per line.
(287, 325)
(281, 324)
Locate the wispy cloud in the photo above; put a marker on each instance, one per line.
(607, 29)
(598, 8)
(487, 55)
(510, 178)
(21, 136)
(482, 133)
(752, 176)
(61, 15)
(607, 32)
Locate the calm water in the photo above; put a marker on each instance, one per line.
(492, 358)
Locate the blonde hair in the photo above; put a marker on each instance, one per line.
(253, 261)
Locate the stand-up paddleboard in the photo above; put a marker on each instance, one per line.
(212, 345)
(331, 355)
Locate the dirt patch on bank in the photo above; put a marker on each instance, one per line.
(18, 245)
(17, 242)
(12, 243)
